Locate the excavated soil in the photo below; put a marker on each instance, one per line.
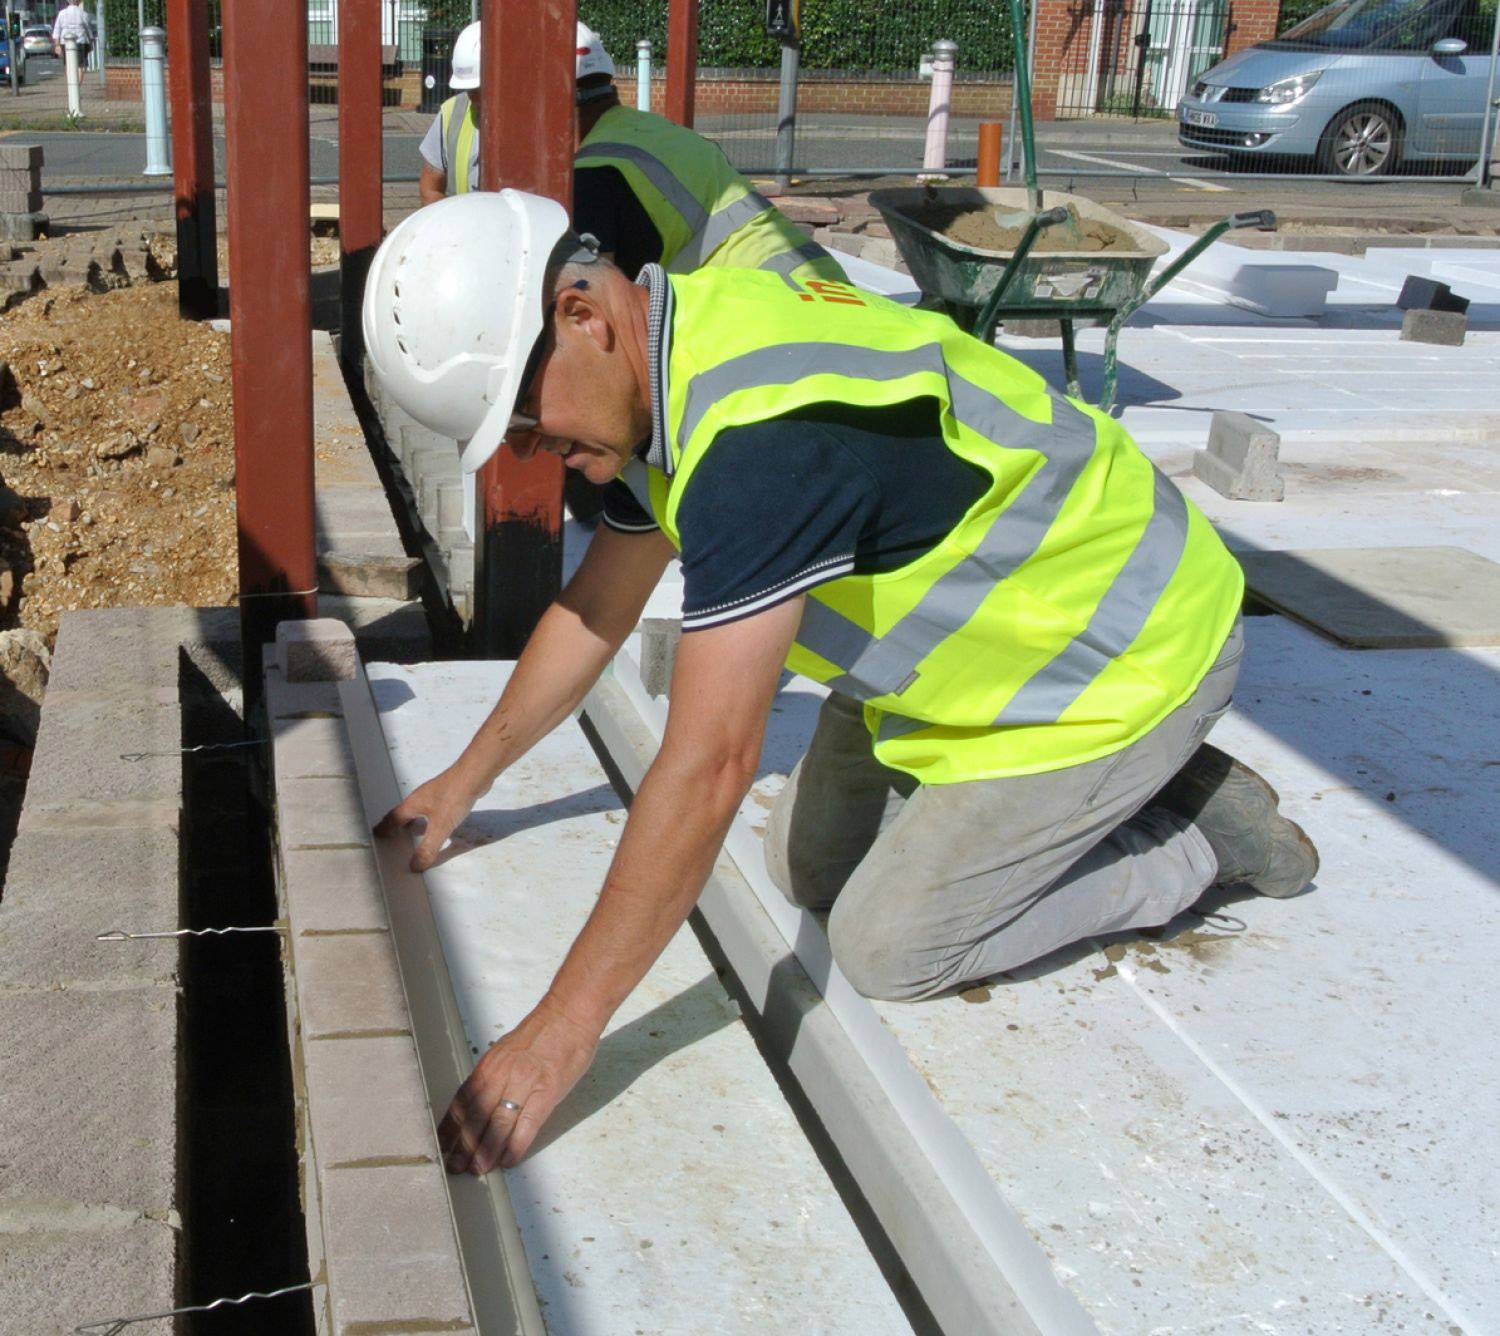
(116, 436)
(970, 226)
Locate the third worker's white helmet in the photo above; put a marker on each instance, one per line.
(466, 59)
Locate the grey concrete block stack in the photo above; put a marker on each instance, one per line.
(380, 1225)
(89, 1193)
(21, 216)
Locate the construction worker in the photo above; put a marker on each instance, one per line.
(1025, 629)
(450, 148)
(655, 192)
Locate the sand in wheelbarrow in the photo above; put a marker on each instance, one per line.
(976, 226)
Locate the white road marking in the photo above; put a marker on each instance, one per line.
(1197, 182)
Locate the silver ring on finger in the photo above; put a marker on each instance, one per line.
(511, 1105)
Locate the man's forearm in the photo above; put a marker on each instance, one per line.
(676, 827)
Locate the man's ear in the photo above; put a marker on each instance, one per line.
(581, 313)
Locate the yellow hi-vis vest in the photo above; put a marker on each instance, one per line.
(460, 126)
(1076, 604)
(705, 211)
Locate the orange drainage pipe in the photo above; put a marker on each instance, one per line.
(265, 128)
(193, 159)
(526, 141)
(990, 135)
(682, 60)
(360, 211)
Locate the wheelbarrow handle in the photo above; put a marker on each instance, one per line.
(1264, 219)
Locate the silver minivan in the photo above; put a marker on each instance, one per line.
(1360, 87)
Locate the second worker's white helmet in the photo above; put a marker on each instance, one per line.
(454, 304)
(591, 56)
(466, 59)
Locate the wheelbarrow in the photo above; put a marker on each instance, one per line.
(979, 287)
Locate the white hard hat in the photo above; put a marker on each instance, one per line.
(466, 59)
(592, 57)
(454, 305)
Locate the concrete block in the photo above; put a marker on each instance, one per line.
(24, 226)
(1446, 328)
(1427, 294)
(1383, 598)
(367, 1103)
(660, 637)
(106, 650)
(64, 887)
(320, 650)
(393, 1261)
(330, 890)
(450, 505)
(80, 1067)
(21, 179)
(294, 701)
(415, 438)
(1240, 461)
(53, 1280)
(317, 813)
(309, 746)
(387, 630)
(349, 512)
(370, 574)
(347, 986)
(20, 201)
(20, 157)
(83, 744)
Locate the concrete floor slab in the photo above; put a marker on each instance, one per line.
(1383, 598)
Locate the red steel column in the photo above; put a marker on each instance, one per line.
(526, 131)
(360, 213)
(193, 158)
(265, 128)
(682, 59)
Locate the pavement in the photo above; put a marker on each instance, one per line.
(1135, 165)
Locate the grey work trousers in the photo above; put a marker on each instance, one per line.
(932, 886)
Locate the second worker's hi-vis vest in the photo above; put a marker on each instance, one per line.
(705, 211)
(1078, 602)
(460, 129)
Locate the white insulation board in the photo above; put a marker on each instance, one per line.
(673, 1191)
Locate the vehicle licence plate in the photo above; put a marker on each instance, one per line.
(1207, 119)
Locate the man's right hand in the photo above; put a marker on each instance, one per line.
(442, 802)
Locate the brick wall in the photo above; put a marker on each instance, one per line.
(1064, 32)
(720, 96)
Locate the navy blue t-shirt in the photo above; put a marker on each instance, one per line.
(777, 507)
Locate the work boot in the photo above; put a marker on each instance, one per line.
(1234, 809)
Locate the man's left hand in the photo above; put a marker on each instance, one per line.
(532, 1068)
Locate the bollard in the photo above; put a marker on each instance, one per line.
(988, 166)
(643, 75)
(154, 99)
(935, 153)
(70, 74)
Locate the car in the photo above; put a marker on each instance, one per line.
(36, 40)
(5, 50)
(1361, 88)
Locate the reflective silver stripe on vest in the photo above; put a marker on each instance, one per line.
(719, 228)
(1117, 618)
(886, 665)
(785, 262)
(455, 127)
(707, 232)
(677, 195)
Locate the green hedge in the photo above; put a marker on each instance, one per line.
(836, 34)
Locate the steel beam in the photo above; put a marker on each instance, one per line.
(265, 125)
(189, 77)
(360, 212)
(526, 134)
(682, 59)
